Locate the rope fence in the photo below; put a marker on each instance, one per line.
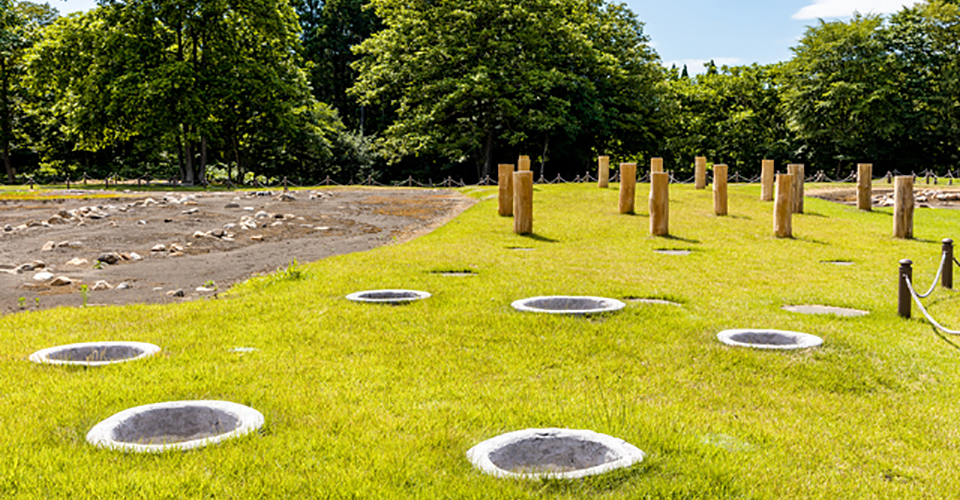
(85, 182)
(908, 295)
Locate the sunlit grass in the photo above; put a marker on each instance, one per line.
(373, 401)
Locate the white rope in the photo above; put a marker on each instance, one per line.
(924, 311)
(936, 280)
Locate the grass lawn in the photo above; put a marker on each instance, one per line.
(373, 401)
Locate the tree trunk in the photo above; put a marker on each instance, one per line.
(487, 156)
(180, 162)
(5, 125)
(203, 161)
(190, 177)
(543, 157)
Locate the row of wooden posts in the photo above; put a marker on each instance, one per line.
(785, 190)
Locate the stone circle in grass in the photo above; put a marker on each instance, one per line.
(769, 339)
(836, 311)
(388, 296)
(174, 425)
(94, 353)
(568, 304)
(673, 251)
(552, 453)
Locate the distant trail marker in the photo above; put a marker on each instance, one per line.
(523, 202)
(628, 187)
(659, 204)
(903, 207)
(720, 190)
(505, 183)
(865, 186)
(603, 172)
(783, 207)
(700, 173)
(766, 180)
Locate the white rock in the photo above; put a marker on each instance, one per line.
(249, 209)
(261, 215)
(124, 286)
(50, 245)
(321, 228)
(75, 244)
(227, 227)
(199, 234)
(175, 247)
(134, 256)
(203, 289)
(257, 237)
(77, 261)
(101, 285)
(275, 224)
(141, 222)
(61, 281)
(160, 247)
(191, 211)
(43, 276)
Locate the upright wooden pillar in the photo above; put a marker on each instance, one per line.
(700, 173)
(628, 187)
(796, 170)
(523, 202)
(783, 207)
(523, 164)
(720, 190)
(603, 171)
(505, 183)
(865, 186)
(903, 207)
(766, 180)
(656, 165)
(659, 204)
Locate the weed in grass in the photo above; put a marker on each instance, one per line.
(83, 295)
(22, 301)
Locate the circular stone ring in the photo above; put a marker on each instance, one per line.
(769, 339)
(388, 296)
(94, 353)
(174, 425)
(568, 304)
(552, 453)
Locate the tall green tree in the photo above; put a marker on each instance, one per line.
(20, 27)
(190, 76)
(471, 80)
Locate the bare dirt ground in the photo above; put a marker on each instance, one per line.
(925, 196)
(207, 239)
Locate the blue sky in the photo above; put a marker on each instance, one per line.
(730, 32)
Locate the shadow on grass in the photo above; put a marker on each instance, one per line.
(678, 238)
(537, 237)
(814, 214)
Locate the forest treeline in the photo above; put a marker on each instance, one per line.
(201, 90)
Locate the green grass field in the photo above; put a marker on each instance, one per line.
(373, 401)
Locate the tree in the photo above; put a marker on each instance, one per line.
(192, 77)
(469, 79)
(331, 28)
(20, 26)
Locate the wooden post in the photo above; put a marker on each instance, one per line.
(947, 279)
(783, 207)
(523, 164)
(904, 296)
(628, 187)
(796, 170)
(603, 172)
(903, 207)
(864, 186)
(766, 180)
(659, 203)
(700, 173)
(720, 190)
(523, 202)
(656, 165)
(505, 183)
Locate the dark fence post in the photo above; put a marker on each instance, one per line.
(906, 273)
(947, 279)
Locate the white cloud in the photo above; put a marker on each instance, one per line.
(844, 8)
(696, 66)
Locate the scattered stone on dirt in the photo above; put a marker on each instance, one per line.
(884, 196)
(43, 276)
(232, 204)
(257, 237)
(61, 281)
(176, 293)
(369, 218)
(109, 258)
(48, 246)
(159, 247)
(8, 228)
(285, 196)
(101, 285)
